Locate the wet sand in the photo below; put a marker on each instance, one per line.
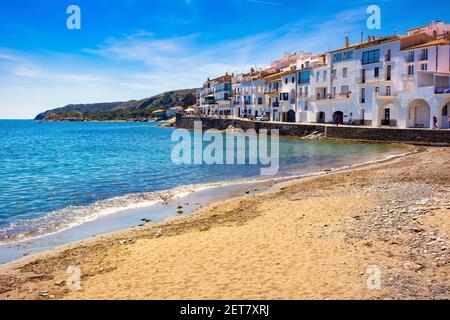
(312, 238)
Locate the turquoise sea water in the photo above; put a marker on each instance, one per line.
(58, 175)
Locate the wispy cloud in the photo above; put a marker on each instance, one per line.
(188, 56)
(142, 64)
(270, 3)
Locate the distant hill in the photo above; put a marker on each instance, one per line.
(134, 109)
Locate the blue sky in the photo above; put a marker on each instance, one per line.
(132, 49)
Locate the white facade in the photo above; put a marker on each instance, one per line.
(249, 98)
(395, 81)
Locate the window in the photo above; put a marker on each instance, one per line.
(341, 56)
(325, 75)
(388, 90)
(306, 91)
(306, 105)
(388, 55)
(345, 90)
(344, 73)
(372, 56)
(317, 76)
(424, 67)
(363, 95)
(347, 55)
(334, 74)
(286, 80)
(363, 76)
(424, 54)
(337, 57)
(260, 100)
(377, 90)
(410, 57)
(410, 70)
(388, 73)
(304, 77)
(376, 72)
(284, 96)
(293, 80)
(300, 92)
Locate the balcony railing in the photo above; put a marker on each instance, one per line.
(423, 57)
(267, 91)
(442, 90)
(387, 95)
(339, 96)
(331, 96)
(318, 97)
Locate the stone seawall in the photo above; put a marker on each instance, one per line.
(420, 136)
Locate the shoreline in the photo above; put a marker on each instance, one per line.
(104, 259)
(170, 199)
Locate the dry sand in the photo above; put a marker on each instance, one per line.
(313, 238)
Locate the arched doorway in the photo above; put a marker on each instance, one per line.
(338, 117)
(445, 116)
(320, 117)
(290, 116)
(418, 114)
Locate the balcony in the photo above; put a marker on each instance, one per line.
(339, 96)
(423, 57)
(409, 59)
(387, 96)
(271, 91)
(318, 97)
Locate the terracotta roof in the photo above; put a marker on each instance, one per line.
(275, 76)
(224, 78)
(434, 42)
(365, 44)
(345, 48)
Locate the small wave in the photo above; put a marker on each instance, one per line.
(69, 217)
(64, 219)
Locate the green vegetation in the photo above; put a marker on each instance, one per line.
(135, 110)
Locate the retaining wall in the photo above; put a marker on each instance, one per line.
(425, 136)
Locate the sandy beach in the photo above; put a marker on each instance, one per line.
(312, 238)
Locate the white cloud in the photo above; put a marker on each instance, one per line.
(140, 65)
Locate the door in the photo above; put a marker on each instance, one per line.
(321, 117)
(338, 117)
(291, 116)
(387, 116)
(445, 123)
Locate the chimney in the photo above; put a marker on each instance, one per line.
(347, 42)
(373, 38)
(368, 39)
(434, 34)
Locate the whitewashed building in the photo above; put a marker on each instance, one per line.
(249, 98)
(215, 97)
(400, 81)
